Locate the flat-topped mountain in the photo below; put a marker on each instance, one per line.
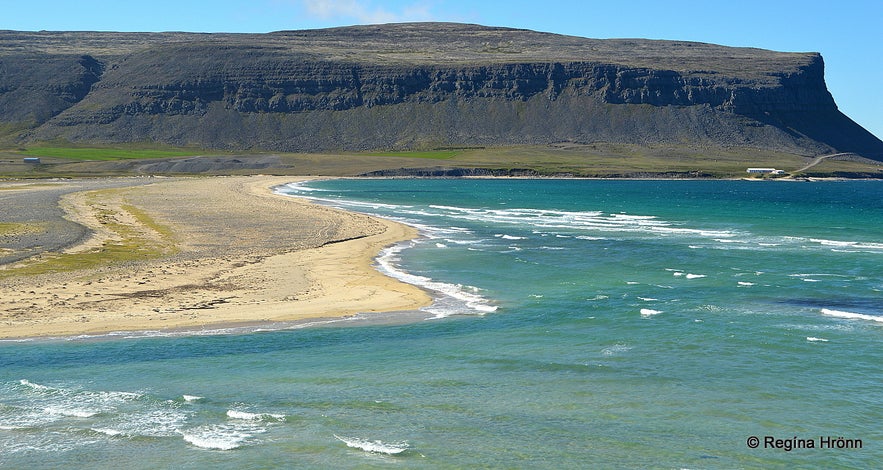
(415, 85)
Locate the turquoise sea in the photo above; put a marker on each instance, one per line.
(578, 324)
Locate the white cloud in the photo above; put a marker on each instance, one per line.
(363, 11)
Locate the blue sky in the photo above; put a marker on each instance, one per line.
(848, 33)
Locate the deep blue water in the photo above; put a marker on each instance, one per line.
(579, 324)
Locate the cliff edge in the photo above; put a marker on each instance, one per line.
(415, 85)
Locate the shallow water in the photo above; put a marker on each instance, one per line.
(609, 324)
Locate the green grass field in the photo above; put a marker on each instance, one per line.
(430, 154)
(105, 154)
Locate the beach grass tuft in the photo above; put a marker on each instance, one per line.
(20, 228)
(128, 242)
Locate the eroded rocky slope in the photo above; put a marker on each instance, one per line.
(420, 85)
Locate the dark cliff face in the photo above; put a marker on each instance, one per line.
(416, 85)
(35, 88)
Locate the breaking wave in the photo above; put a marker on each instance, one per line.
(454, 299)
(377, 447)
(852, 315)
(76, 417)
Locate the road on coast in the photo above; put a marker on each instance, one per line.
(817, 160)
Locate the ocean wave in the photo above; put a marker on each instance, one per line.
(247, 416)
(107, 412)
(595, 221)
(460, 299)
(28, 383)
(296, 189)
(464, 242)
(220, 436)
(70, 411)
(376, 447)
(857, 245)
(509, 237)
(297, 186)
(73, 402)
(649, 312)
(155, 420)
(108, 432)
(852, 315)
(615, 349)
(87, 416)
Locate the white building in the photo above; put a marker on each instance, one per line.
(771, 171)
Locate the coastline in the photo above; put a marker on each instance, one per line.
(226, 250)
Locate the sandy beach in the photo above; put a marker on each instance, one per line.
(189, 253)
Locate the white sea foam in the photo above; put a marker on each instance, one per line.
(813, 339)
(108, 432)
(220, 436)
(34, 386)
(51, 404)
(460, 299)
(297, 186)
(851, 315)
(578, 220)
(377, 447)
(245, 415)
(615, 349)
(71, 412)
(509, 237)
(597, 221)
(848, 244)
(158, 420)
(463, 242)
(695, 276)
(649, 312)
(110, 412)
(805, 275)
(191, 398)
(745, 284)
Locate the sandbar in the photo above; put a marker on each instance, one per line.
(191, 253)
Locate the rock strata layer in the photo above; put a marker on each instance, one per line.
(406, 86)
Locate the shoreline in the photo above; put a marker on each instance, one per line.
(243, 255)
